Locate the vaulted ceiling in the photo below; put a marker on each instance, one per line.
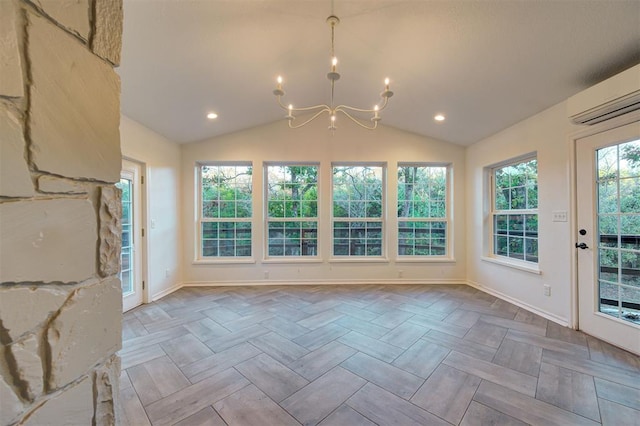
(484, 64)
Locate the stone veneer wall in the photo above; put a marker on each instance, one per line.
(60, 297)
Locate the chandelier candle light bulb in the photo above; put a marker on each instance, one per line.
(317, 110)
(376, 115)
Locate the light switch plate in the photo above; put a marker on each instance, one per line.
(559, 216)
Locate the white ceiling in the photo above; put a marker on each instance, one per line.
(485, 64)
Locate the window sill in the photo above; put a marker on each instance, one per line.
(359, 260)
(425, 259)
(223, 261)
(522, 266)
(292, 259)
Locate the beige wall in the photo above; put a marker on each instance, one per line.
(276, 142)
(60, 297)
(546, 134)
(160, 159)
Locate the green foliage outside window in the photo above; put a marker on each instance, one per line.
(357, 191)
(293, 191)
(516, 186)
(226, 191)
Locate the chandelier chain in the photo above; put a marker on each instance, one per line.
(333, 28)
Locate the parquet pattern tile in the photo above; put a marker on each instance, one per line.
(365, 355)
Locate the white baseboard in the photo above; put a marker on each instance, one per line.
(548, 315)
(318, 282)
(166, 292)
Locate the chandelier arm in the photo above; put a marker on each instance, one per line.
(384, 104)
(355, 120)
(316, 115)
(347, 107)
(286, 108)
(311, 108)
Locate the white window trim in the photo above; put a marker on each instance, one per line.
(359, 259)
(425, 259)
(199, 258)
(490, 256)
(224, 260)
(383, 258)
(513, 263)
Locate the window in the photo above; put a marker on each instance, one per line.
(515, 210)
(358, 210)
(126, 251)
(225, 211)
(292, 210)
(422, 210)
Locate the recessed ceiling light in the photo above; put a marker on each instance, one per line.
(212, 116)
(439, 117)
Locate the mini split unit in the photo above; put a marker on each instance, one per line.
(618, 95)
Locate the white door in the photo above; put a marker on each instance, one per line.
(131, 255)
(608, 203)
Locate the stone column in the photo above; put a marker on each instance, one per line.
(60, 296)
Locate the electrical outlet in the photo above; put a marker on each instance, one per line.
(547, 290)
(167, 273)
(266, 275)
(400, 273)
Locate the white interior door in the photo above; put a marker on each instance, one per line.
(608, 203)
(131, 254)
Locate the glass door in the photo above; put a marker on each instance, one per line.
(608, 201)
(131, 253)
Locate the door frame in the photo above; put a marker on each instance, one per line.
(574, 136)
(144, 202)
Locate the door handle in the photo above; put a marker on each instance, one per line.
(582, 246)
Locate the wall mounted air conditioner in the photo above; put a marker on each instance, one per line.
(615, 96)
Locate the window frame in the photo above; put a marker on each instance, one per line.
(200, 219)
(447, 218)
(493, 212)
(267, 219)
(382, 219)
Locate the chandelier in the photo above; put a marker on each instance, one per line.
(333, 109)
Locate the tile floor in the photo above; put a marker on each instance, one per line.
(365, 355)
